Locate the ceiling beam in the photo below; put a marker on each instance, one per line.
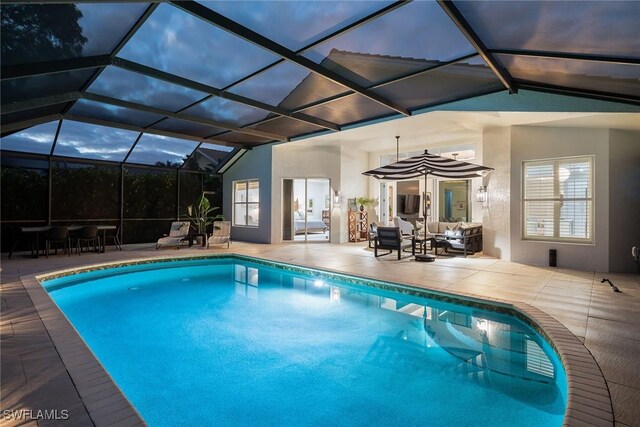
(584, 93)
(191, 84)
(40, 102)
(456, 16)
(167, 113)
(251, 36)
(132, 147)
(620, 60)
(50, 67)
(23, 124)
(55, 138)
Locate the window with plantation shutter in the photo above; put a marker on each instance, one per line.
(558, 199)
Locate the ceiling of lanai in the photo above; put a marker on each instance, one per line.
(137, 82)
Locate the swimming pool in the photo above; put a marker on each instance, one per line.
(236, 341)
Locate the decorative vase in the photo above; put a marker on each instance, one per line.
(361, 208)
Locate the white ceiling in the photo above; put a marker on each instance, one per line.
(445, 128)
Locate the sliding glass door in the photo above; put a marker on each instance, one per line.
(306, 210)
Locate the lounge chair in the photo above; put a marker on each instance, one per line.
(178, 233)
(390, 238)
(221, 234)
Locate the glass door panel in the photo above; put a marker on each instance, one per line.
(309, 205)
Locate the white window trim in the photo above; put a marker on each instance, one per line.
(558, 239)
(246, 203)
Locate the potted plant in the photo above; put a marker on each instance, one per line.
(365, 202)
(201, 214)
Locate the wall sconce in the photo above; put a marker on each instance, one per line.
(336, 197)
(481, 194)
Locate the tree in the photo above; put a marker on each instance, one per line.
(33, 33)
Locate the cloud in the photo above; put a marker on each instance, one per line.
(224, 110)
(77, 139)
(104, 25)
(37, 139)
(152, 149)
(134, 87)
(182, 44)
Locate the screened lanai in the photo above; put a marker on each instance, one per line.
(96, 95)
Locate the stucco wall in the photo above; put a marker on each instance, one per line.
(303, 161)
(353, 162)
(624, 199)
(254, 164)
(533, 143)
(496, 213)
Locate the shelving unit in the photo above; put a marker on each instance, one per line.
(358, 226)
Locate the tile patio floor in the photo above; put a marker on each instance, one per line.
(34, 377)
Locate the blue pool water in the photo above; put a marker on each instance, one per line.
(234, 342)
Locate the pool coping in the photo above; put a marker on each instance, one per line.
(588, 398)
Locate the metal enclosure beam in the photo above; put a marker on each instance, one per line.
(456, 16)
(251, 36)
(167, 113)
(50, 67)
(191, 84)
(621, 60)
(40, 102)
(562, 90)
(5, 128)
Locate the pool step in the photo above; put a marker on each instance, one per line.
(474, 369)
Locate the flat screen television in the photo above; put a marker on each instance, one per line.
(408, 204)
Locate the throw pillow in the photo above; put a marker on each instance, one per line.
(448, 231)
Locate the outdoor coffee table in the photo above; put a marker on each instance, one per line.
(439, 242)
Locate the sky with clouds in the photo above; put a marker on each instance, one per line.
(180, 43)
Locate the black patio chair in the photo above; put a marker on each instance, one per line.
(390, 238)
(115, 237)
(58, 234)
(88, 234)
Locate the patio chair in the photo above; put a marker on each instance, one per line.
(390, 238)
(406, 228)
(58, 235)
(88, 234)
(178, 233)
(221, 234)
(115, 237)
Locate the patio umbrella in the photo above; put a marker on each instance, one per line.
(428, 164)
